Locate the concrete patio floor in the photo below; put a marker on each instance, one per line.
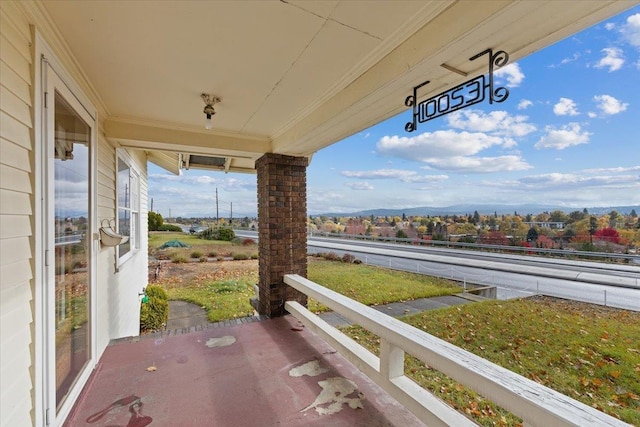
(264, 373)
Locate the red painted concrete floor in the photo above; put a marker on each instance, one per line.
(268, 373)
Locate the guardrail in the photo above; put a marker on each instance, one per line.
(536, 404)
(630, 258)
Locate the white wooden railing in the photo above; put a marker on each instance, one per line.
(536, 404)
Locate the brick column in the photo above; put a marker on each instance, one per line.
(282, 223)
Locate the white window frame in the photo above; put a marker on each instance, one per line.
(132, 190)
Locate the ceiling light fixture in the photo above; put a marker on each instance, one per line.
(209, 111)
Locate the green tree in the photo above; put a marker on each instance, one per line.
(476, 217)
(155, 221)
(532, 235)
(401, 234)
(558, 216)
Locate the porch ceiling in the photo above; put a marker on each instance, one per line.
(294, 76)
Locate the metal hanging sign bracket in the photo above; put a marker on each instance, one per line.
(461, 96)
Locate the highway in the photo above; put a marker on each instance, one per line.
(513, 275)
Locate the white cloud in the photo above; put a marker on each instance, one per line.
(612, 170)
(613, 59)
(610, 105)
(567, 60)
(511, 73)
(499, 123)
(565, 107)
(631, 30)
(442, 143)
(399, 174)
(451, 150)
(479, 164)
(524, 104)
(362, 186)
(578, 180)
(567, 136)
(609, 26)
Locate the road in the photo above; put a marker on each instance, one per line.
(513, 275)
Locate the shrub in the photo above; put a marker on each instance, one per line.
(196, 254)
(169, 227)
(178, 259)
(155, 221)
(204, 259)
(225, 234)
(213, 254)
(155, 311)
(331, 256)
(254, 256)
(348, 258)
(239, 257)
(248, 242)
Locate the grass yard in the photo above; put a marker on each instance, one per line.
(212, 249)
(587, 352)
(374, 285)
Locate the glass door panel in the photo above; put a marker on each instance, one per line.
(72, 252)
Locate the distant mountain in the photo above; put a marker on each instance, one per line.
(463, 209)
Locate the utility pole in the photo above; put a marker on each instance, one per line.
(231, 216)
(151, 205)
(217, 213)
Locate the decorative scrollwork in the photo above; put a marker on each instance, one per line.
(500, 58)
(500, 94)
(464, 95)
(410, 100)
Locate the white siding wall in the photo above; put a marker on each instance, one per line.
(118, 303)
(117, 292)
(106, 206)
(16, 219)
(122, 294)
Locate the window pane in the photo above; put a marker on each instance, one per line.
(72, 256)
(124, 228)
(124, 185)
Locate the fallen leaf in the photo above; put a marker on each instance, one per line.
(152, 369)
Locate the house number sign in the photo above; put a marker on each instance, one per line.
(464, 95)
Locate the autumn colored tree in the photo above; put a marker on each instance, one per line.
(608, 235)
(545, 242)
(494, 238)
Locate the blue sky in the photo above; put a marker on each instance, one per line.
(568, 135)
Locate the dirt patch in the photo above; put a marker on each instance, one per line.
(186, 273)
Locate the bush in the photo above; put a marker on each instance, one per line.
(178, 259)
(196, 254)
(239, 257)
(154, 221)
(169, 227)
(213, 254)
(225, 234)
(155, 312)
(331, 256)
(348, 258)
(248, 242)
(254, 256)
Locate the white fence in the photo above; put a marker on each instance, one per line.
(536, 404)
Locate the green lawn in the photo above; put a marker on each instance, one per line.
(589, 353)
(374, 285)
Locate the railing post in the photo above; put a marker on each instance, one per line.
(391, 360)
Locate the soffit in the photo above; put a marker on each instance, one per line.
(293, 76)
